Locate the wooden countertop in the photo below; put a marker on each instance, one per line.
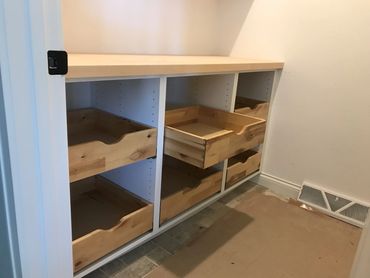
(90, 66)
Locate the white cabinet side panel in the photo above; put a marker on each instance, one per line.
(135, 99)
(214, 90)
(78, 95)
(271, 97)
(159, 158)
(233, 92)
(256, 85)
(138, 178)
(178, 92)
(208, 90)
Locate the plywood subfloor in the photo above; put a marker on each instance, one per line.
(265, 237)
(245, 234)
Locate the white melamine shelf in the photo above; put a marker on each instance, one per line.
(90, 66)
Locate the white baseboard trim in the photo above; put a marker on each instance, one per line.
(280, 187)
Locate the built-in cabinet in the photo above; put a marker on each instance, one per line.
(151, 143)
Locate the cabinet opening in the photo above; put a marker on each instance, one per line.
(104, 217)
(208, 90)
(241, 166)
(100, 141)
(184, 186)
(253, 93)
(252, 107)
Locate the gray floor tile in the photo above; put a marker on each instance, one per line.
(138, 269)
(186, 232)
(168, 243)
(213, 213)
(132, 256)
(147, 247)
(233, 198)
(114, 267)
(158, 255)
(138, 253)
(96, 274)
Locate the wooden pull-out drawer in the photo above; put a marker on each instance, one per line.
(241, 166)
(99, 141)
(184, 186)
(251, 107)
(104, 217)
(204, 136)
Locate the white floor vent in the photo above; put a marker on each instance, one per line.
(341, 207)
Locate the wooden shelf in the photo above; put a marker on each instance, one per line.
(204, 136)
(99, 141)
(184, 186)
(90, 66)
(104, 217)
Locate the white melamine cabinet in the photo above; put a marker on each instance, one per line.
(154, 139)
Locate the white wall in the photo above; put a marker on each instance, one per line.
(152, 26)
(321, 115)
(139, 26)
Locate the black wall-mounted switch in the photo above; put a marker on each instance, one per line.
(57, 62)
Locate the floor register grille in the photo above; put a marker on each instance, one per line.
(339, 206)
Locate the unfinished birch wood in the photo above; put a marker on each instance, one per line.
(99, 141)
(204, 136)
(104, 217)
(82, 66)
(252, 107)
(184, 186)
(241, 166)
